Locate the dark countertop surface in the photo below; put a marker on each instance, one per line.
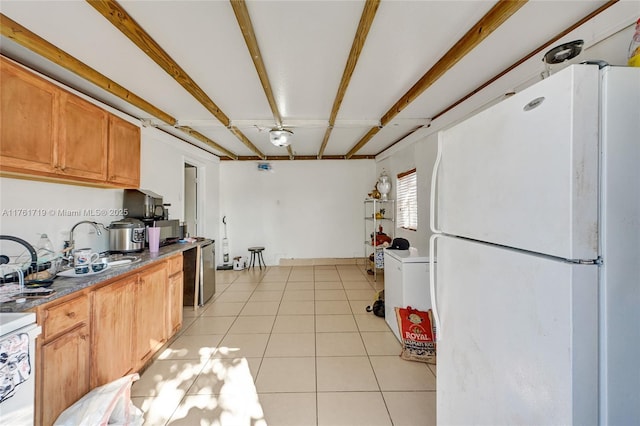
(64, 286)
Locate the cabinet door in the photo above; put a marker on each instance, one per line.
(82, 144)
(124, 153)
(65, 372)
(150, 317)
(112, 337)
(175, 303)
(28, 121)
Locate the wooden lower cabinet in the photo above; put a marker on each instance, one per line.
(175, 295)
(112, 339)
(103, 333)
(65, 373)
(62, 372)
(175, 304)
(150, 312)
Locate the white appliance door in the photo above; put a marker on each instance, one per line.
(18, 369)
(518, 338)
(620, 239)
(526, 176)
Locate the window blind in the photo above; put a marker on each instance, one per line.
(407, 200)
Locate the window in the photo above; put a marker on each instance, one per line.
(407, 195)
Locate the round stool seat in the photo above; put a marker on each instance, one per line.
(256, 253)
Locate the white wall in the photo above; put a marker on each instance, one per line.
(162, 171)
(299, 209)
(56, 208)
(421, 156)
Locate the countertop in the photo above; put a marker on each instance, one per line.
(64, 286)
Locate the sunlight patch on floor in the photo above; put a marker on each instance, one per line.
(226, 395)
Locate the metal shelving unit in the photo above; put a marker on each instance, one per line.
(377, 213)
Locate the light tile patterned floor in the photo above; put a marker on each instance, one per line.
(287, 346)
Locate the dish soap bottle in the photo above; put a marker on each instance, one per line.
(44, 246)
(634, 48)
(46, 253)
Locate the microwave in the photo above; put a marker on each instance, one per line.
(169, 231)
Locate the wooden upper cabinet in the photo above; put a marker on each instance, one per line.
(49, 132)
(82, 144)
(28, 120)
(124, 153)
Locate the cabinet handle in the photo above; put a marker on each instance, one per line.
(71, 314)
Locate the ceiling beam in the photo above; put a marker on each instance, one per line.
(366, 19)
(301, 157)
(119, 17)
(519, 62)
(202, 138)
(244, 21)
(24, 37)
(534, 52)
(498, 14)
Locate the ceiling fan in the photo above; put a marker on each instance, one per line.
(280, 136)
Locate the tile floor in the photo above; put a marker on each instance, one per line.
(287, 346)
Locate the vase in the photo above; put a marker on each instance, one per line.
(383, 186)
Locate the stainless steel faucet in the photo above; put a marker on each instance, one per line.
(71, 242)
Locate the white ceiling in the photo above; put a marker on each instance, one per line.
(305, 46)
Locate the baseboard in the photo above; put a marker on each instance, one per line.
(326, 261)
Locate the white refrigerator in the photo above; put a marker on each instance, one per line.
(536, 217)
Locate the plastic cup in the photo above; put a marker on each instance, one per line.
(154, 239)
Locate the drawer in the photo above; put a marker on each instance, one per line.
(175, 264)
(65, 316)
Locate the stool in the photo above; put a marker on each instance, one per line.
(256, 253)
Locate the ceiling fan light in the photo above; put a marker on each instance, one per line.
(280, 137)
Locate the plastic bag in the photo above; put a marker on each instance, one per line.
(109, 404)
(417, 335)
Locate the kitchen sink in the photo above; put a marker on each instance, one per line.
(115, 260)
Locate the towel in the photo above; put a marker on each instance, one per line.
(15, 367)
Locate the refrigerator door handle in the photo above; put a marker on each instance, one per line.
(432, 204)
(432, 284)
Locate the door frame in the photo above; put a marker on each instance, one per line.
(200, 191)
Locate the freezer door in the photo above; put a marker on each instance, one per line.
(620, 239)
(524, 173)
(518, 337)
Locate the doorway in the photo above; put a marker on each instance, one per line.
(191, 198)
